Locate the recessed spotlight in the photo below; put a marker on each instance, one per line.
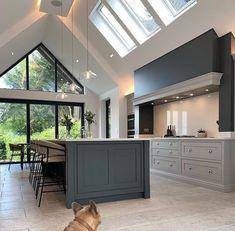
(12, 53)
(152, 103)
(191, 94)
(77, 60)
(207, 90)
(165, 101)
(111, 56)
(56, 3)
(177, 97)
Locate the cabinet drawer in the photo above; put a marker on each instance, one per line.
(202, 170)
(210, 151)
(165, 144)
(165, 164)
(165, 152)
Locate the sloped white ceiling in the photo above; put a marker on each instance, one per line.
(205, 15)
(13, 11)
(67, 48)
(22, 43)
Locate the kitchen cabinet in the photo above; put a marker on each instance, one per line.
(130, 116)
(205, 162)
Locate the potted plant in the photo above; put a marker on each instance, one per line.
(201, 133)
(67, 121)
(90, 119)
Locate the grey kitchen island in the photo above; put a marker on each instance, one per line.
(106, 170)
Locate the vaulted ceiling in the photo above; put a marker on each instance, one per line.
(23, 26)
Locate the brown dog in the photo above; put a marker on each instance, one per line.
(86, 218)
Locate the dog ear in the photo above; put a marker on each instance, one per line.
(93, 208)
(76, 207)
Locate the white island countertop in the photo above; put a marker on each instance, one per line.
(145, 138)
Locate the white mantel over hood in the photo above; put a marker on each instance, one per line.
(206, 80)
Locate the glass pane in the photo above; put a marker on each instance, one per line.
(12, 128)
(15, 78)
(42, 121)
(136, 18)
(41, 71)
(177, 5)
(69, 122)
(121, 33)
(143, 15)
(64, 82)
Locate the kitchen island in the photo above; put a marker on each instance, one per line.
(208, 162)
(106, 169)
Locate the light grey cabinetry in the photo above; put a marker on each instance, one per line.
(202, 170)
(165, 156)
(209, 163)
(202, 160)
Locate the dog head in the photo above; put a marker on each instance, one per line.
(89, 213)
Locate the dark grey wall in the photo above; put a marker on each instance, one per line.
(226, 92)
(193, 59)
(203, 54)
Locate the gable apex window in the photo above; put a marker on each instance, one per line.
(136, 18)
(169, 10)
(39, 70)
(111, 29)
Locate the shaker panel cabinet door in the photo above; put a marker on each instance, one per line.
(165, 144)
(125, 166)
(202, 170)
(202, 150)
(109, 167)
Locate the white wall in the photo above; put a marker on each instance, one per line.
(188, 115)
(90, 100)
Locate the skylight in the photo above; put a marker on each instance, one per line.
(111, 29)
(169, 10)
(136, 18)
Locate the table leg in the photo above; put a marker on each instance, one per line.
(22, 160)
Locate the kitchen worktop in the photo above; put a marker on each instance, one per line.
(192, 138)
(143, 138)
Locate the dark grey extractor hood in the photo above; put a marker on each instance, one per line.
(196, 86)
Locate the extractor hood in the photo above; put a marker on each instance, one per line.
(193, 87)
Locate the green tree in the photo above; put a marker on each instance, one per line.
(41, 72)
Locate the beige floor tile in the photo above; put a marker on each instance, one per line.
(174, 206)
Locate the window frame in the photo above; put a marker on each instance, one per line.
(115, 31)
(132, 13)
(56, 63)
(172, 9)
(43, 102)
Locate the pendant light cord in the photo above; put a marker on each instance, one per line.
(87, 34)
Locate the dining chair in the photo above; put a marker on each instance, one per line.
(16, 150)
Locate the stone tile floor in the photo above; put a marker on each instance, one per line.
(173, 206)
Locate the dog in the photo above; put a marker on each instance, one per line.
(86, 218)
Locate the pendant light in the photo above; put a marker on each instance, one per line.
(88, 74)
(72, 86)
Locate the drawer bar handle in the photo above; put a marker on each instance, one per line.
(190, 168)
(210, 171)
(171, 165)
(189, 150)
(210, 151)
(158, 162)
(170, 152)
(170, 144)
